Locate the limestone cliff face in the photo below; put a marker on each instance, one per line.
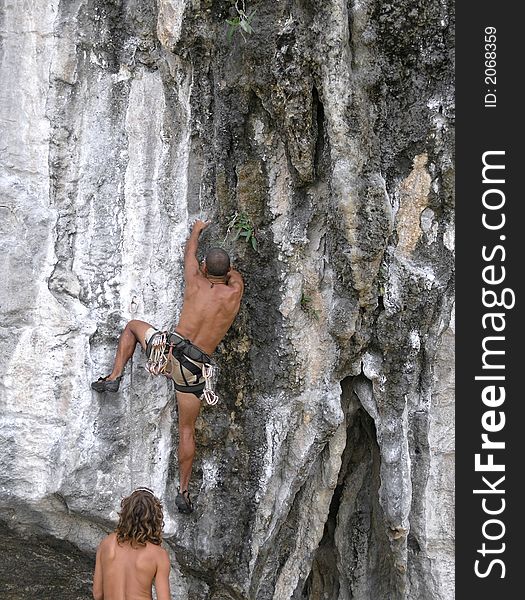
(326, 471)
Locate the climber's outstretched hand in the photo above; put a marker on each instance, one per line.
(200, 226)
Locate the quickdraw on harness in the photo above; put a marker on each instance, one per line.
(158, 359)
(164, 347)
(208, 372)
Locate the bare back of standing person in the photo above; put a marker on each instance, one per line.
(128, 570)
(130, 560)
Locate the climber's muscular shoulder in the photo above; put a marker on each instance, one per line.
(235, 281)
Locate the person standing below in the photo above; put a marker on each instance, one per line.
(130, 560)
(212, 298)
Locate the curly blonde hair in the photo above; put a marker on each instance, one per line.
(140, 519)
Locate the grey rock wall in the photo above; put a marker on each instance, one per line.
(326, 471)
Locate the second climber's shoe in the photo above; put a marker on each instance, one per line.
(104, 385)
(183, 502)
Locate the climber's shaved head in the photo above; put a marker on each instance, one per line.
(217, 262)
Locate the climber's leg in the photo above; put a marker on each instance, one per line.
(188, 410)
(134, 332)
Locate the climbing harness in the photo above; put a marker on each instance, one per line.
(168, 352)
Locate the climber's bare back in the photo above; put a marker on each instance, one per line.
(209, 308)
(128, 573)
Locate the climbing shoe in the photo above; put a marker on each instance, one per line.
(183, 502)
(104, 385)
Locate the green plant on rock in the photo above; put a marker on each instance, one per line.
(307, 306)
(241, 23)
(243, 227)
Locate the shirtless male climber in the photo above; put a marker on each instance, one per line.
(212, 297)
(131, 558)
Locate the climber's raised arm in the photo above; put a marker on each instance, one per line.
(191, 264)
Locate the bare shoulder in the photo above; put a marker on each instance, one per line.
(161, 555)
(156, 549)
(107, 543)
(194, 276)
(235, 280)
(109, 540)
